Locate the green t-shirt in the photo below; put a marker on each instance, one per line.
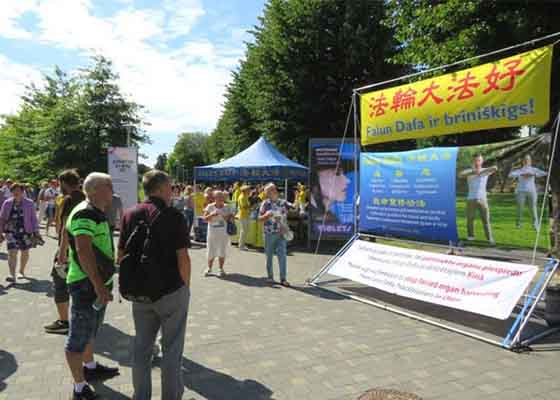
(85, 219)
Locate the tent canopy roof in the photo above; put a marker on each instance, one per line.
(261, 157)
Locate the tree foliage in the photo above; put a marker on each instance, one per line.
(161, 162)
(297, 77)
(438, 33)
(191, 150)
(69, 122)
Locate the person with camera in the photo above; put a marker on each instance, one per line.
(273, 212)
(20, 228)
(70, 185)
(90, 278)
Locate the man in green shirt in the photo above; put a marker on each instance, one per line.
(88, 233)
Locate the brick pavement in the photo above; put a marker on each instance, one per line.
(250, 341)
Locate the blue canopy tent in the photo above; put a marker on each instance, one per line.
(259, 162)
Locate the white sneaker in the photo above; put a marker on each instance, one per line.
(470, 238)
(244, 248)
(208, 272)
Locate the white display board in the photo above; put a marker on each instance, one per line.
(123, 168)
(480, 286)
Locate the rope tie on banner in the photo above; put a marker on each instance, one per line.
(460, 62)
(554, 143)
(332, 186)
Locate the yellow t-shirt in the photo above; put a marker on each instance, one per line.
(59, 202)
(244, 206)
(198, 200)
(301, 197)
(262, 196)
(236, 194)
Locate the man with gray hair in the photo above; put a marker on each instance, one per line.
(89, 279)
(164, 303)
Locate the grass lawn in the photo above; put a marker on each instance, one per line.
(503, 214)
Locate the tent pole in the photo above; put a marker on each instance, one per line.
(286, 189)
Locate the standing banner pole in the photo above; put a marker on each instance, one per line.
(554, 143)
(552, 266)
(356, 156)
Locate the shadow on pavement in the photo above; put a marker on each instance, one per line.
(214, 385)
(8, 365)
(107, 393)
(461, 319)
(313, 291)
(34, 286)
(115, 345)
(3, 256)
(250, 281)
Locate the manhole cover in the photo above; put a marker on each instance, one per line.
(387, 394)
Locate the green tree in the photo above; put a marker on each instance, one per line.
(438, 33)
(69, 122)
(298, 75)
(161, 162)
(191, 150)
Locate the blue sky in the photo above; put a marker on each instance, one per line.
(173, 56)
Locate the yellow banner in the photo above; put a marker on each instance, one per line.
(513, 91)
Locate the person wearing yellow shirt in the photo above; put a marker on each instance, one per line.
(262, 195)
(301, 198)
(59, 202)
(244, 207)
(236, 192)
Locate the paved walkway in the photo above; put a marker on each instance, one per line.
(247, 340)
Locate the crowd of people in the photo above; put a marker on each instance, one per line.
(84, 214)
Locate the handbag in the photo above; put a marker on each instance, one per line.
(231, 228)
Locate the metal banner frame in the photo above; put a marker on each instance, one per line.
(513, 339)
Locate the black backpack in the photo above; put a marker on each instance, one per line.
(140, 277)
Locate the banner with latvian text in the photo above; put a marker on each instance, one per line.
(510, 92)
(480, 286)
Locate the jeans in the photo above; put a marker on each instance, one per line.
(170, 314)
(85, 321)
(274, 243)
(189, 218)
(482, 206)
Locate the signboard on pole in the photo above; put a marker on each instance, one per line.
(510, 92)
(332, 187)
(484, 287)
(409, 194)
(123, 168)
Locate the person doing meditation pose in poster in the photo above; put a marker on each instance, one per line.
(526, 190)
(477, 180)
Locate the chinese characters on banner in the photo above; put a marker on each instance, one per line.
(331, 198)
(123, 168)
(409, 194)
(513, 91)
(485, 287)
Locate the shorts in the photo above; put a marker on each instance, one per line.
(85, 321)
(61, 294)
(50, 211)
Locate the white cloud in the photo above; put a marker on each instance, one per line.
(13, 79)
(10, 11)
(182, 88)
(183, 14)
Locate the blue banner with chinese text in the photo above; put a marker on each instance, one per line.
(409, 194)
